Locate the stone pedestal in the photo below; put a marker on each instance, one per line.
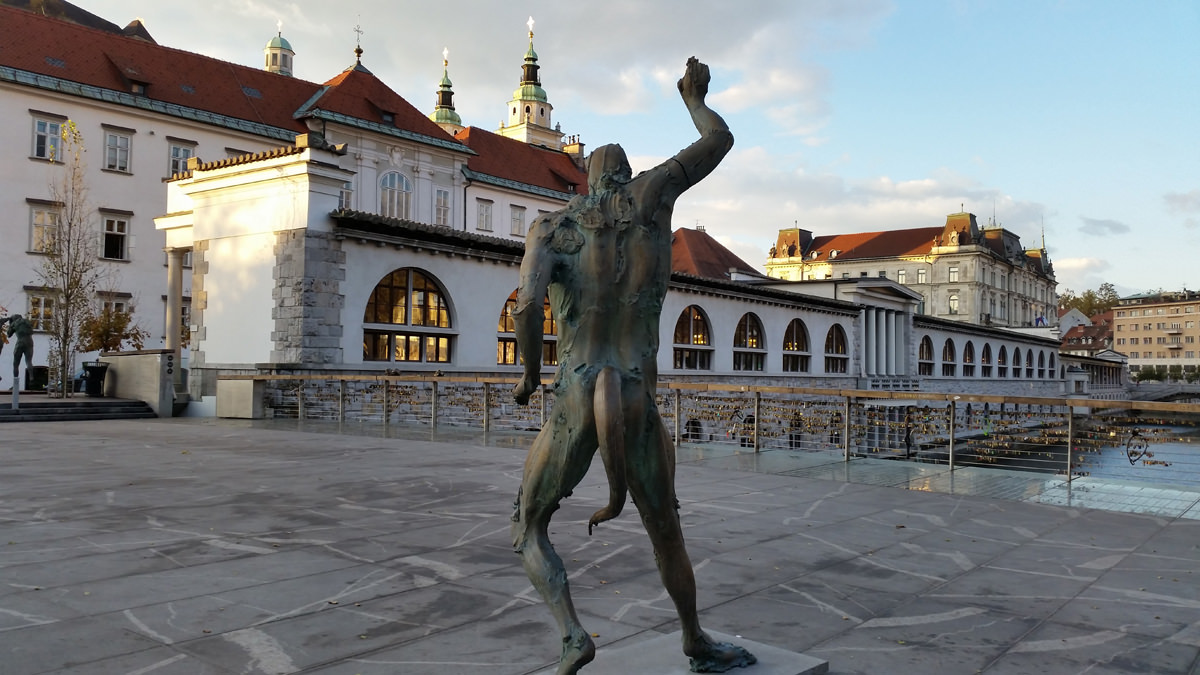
(663, 655)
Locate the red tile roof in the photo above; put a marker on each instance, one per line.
(694, 252)
(356, 92)
(90, 56)
(866, 245)
(508, 158)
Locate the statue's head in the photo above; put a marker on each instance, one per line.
(608, 167)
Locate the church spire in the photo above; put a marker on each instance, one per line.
(443, 113)
(278, 56)
(529, 111)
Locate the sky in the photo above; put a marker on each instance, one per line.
(1073, 120)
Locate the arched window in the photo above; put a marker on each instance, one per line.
(1053, 371)
(969, 359)
(952, 304)
(949, 367)
(395, 195)
(693, 347)
(795, 348)
(1041, 373)
(749, 352)
(1029, 364)
(837, 359)
(985, 360)
(925, 357)
(1002, 362)
(506, 341)
(1016, 371)
(407, 320)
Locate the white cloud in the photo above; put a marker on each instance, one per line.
(1183, 202)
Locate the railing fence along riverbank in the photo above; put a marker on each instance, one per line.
(1140, 440)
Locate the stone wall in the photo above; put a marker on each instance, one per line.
(309, 269)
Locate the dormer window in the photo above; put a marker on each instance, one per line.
(815, 255)
(389, 118)
(833, 254)
(137, 89)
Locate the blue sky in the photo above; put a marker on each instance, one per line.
(850, 115)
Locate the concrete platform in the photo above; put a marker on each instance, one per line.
(202, 547)
(662, 656)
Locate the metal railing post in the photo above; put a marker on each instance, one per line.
(341, 400)
(757, 408)
(846, 428)
(487, 406)
(300, 400)
(542, 412)
(953, 408)
(678, 412)
(433, 405)
(387, 396)
(1070, 442)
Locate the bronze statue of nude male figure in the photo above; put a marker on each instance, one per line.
(605, 260)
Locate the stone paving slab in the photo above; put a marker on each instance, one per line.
(208, 547)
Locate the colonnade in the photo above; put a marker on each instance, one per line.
(884, 347)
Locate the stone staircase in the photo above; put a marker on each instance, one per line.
(75, 409)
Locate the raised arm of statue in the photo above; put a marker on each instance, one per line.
(700, 158)
(536, 269)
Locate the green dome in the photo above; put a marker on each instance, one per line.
(527, 92)
(445, 116)
(279, 42)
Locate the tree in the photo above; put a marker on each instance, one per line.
(70, 269)
(1090, 302)
(108, 328)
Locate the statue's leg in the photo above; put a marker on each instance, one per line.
(557, 461)
(653, 487)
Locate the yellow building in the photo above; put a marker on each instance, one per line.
(1159, 330)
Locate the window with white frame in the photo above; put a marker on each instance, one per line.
(43, 226)
(901, 276)
(921, 276)
(395, 195)
(952, 304)
(117, 146)
(47, 137)
(116, 237)
(518, 221)
(41, 311)
(346, 196)
(484, 220)
(441, 207)
(178, 153)
(952, 274)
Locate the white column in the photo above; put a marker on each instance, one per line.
(902, 346)
(869, 342)
(890, 334)
(174, 328)
(880, 342)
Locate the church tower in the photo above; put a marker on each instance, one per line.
(529, 110)
(278, 56)
(443, 112)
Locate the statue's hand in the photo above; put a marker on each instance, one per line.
(525, 388)
(693, 86)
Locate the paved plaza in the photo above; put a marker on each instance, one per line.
(215, 547)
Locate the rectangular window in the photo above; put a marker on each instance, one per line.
(484, 207)
(882, 274)
(177, 157)
(346, 196)
(518, 221)
(41, 312)
(47, 139)
(116, 238)
(43, 228)
(921, 276)
(116, 151)
(441, 208)
(952, 273)
(901, 276)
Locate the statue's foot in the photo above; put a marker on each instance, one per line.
(578, 651)
(709, 656)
